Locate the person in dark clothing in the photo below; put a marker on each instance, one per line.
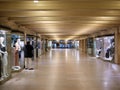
(28, 55)
(57, 45)
(107, 55)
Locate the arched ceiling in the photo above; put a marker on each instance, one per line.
(62, 19)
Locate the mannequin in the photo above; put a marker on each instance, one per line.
(16, 66)
(17, 49)
(3, 55)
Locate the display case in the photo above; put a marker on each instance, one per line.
(39, 46)
(50, 44)
(5, 71)
(99, 47)
(76, 44)
(17, 52)
(105, 47)
(90, 46)
(109, 48)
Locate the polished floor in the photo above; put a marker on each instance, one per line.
(65, 69)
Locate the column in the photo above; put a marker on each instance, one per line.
(24, 38)
(117, 46)
(8, 39)
(83, 46)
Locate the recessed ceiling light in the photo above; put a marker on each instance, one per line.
(36, 1)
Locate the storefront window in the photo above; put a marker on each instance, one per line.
(109, 47)
(99, 47)
(17, 52)
(4, 73)
(77, 44)
(105, 47)
(90, 44)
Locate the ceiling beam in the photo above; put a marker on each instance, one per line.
(53, 4)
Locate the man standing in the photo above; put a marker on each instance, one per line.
(28, 55)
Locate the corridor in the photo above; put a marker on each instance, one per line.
(66, 69)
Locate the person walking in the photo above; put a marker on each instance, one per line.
(28, 56)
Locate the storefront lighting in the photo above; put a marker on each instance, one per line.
(101, 40)
(3, 31)
(97, 38)
(106, 37)
(36, 1)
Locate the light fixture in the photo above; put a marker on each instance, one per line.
(36, 1)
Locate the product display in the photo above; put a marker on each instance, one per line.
(99, 47)
(105, 47)
(65, 44)
(38, 47)
(3, 56)
(90, 44)
(76, 44)
(72, 44)
(50, 44)
(109, 48)
(54, 44)
(17, 53)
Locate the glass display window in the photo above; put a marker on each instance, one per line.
(105, 47)
(49, 44)
(4, 61)
(54, 44)
(72, 44)
(38, 46)
(109, 48)
(77, 44)
(90, 43)
(17, 52)
(31, 39)
(99, 47)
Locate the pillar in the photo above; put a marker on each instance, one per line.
(8, 39)
(24, 38)
(80, 45)
(117, 46)
(83, 46)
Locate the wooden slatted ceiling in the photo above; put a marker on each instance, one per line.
(62, 18)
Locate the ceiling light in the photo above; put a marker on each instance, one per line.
(36, 1)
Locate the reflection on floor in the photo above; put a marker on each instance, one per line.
(68, 69)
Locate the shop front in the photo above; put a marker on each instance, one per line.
(105, 48)
(17, 56)
(72, 44)
(5, 63)
(76, 44)
(64, 44)
(90, 46)
(38, 47)
(55, 44)
(50, 44)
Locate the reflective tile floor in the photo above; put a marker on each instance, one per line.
(62, 69)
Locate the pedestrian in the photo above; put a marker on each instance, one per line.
(28, 56)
